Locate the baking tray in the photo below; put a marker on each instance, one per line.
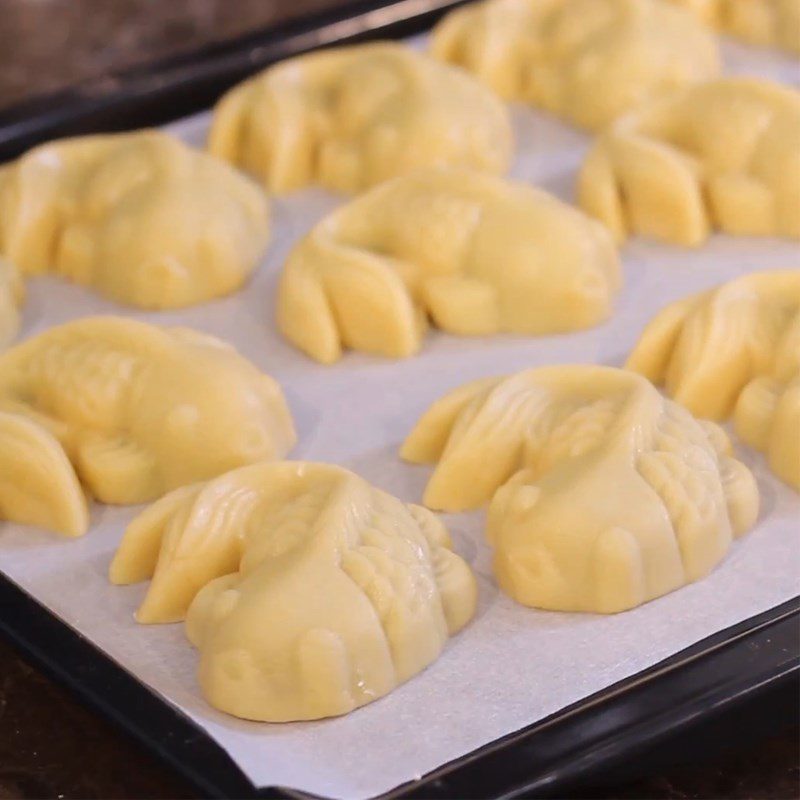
(748, 672)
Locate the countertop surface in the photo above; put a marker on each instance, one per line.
(51, 746)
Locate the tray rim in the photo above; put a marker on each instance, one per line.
(191, 81)
(171, 88)
(727, 668)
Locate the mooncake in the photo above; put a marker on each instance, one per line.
(588, 61)
(735, 350)
(309, 592)
(141, 409)
(602, 493)
(770, 23)
(474, 253)
(350, 117)
(720, 155)
(142, 218)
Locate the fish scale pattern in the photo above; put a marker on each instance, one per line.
(734, 351)
(137, 408)
(320, 594)
(469, 253)
(684, 472)
(549, 448)
(86, 380)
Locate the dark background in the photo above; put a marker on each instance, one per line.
(50, 746)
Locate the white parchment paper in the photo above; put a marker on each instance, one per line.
(511, 666)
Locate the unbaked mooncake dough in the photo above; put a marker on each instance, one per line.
(735, 350)
(141, 409)
(603, 494)
(140, 217)
(474, 253)
(350, 117)
(772, 23)
(11, 294)
(587, 61)
(312, 592)
(38, 485)
(720, 155)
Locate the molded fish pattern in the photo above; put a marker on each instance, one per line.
(350, 117)
(603, 494)
(309, 592)
(475, 253)
(735, 351)
(140, 409)
(140, 217)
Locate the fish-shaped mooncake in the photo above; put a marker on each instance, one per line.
(587, 61)
(602, 493)
(142, 409)
(769, 23)
(722, 155)
(347, 118)
(140, 217)
(735, 351)
(309, 592)
(473, 253)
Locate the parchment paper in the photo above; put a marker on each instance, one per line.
(511, 666)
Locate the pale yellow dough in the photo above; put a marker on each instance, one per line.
(141, 217)
(721, 155)
(38, 485)
(474, 253)
(735, 350)
(351, 117)
(604, 494)
(587, 61)
(771, 23)
(309, 592)
(12, 292)
(141, 409)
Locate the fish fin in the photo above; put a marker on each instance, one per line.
(137, 554)
(38, 485)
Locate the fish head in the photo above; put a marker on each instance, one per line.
(211, 412)
(160, 225)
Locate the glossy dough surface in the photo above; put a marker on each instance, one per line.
(585, 60)
(721, 155)
(11, 294)
(312, 593)
(474, 253)
(603, 493)
(140, 217)
(735, 350)
(140, 409)
(773, 23)
(350, 117)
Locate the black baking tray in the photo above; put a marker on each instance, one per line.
(740, 683)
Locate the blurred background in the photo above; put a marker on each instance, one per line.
(51, 44)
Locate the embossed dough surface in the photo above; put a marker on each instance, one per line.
(511, 665)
